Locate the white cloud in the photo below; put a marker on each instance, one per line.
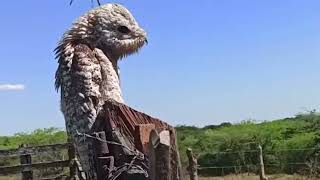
(12, 87)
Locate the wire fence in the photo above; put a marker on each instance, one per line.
(304, 161)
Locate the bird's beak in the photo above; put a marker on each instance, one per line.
(146, 41)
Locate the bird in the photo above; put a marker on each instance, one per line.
(88, 75)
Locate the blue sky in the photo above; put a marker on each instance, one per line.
(206, 62)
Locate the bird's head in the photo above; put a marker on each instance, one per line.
(114, 30)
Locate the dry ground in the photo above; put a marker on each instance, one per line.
(16, 177)
(13, 177)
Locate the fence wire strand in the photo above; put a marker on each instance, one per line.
(117, 171)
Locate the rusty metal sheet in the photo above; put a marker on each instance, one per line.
(135, 127)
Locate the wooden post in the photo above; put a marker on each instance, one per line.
(72, 157)
(101, 150)
(25, 158)
(142, 136)
(192, 168)
(262, 172)
(159, 154)
(153, 141)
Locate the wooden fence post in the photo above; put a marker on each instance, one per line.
(262, 172)
(142, 136)
(159, 153)
(25, 158)
(72, 157)
(101, 150)
(192, 168)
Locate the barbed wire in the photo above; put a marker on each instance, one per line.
(239, 166)
(294, 149)
(135, 151)
(253, 151)
(248, 165)
(117, 171)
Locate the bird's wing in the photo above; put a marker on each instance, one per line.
(80, 82)
(85, 71)
(86, 80)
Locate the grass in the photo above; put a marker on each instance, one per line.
(10, 177)
(255, 177)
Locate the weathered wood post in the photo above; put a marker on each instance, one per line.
(75, 168)
(72, 156)
(159, 153)
(101, 150)
(25, 159)
(142, 136)
(192, 168)
(262, 172)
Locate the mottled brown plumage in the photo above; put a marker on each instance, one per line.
(87, 74)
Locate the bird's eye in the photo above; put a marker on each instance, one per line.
(124, 29)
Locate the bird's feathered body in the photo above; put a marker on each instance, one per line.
(87, 74)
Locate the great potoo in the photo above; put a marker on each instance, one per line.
(87, 74)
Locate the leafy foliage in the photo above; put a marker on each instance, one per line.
(37, 137)
(285, 143)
